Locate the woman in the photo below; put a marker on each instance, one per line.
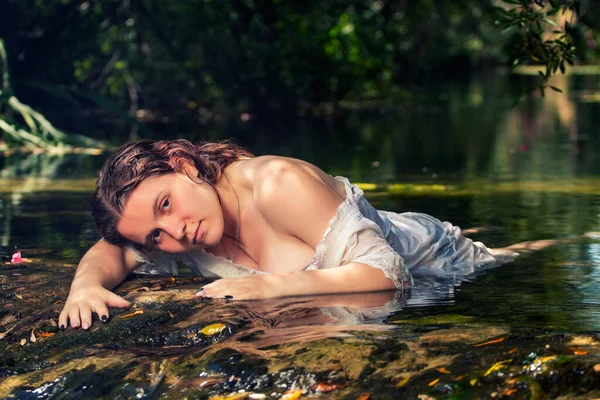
(271, 226)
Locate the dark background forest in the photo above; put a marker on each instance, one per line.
(122, 69)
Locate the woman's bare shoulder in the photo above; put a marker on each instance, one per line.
(271, 175)
(267, 168)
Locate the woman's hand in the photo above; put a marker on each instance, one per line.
(252, 287)
(85, 300)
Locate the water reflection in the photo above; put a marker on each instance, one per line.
(526, 172)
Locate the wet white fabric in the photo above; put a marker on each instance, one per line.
(399, 244)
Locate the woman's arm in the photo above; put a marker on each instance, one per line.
(349, 278)
(102, 268)
(298, 203)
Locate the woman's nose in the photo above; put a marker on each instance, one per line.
(175, 228)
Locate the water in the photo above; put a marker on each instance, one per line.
(462, 154)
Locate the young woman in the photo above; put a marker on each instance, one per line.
(269, 226)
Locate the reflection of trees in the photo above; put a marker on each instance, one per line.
(31, 186)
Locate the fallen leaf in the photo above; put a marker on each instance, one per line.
(336, 367)
(23, 341)
(458, 378)
(236, 396)
(45, 335)
(403, 381)
(136, 312)
(575, 351)
(473, 381)
(597, 368)
(499, 340)
(324, 388)
(155, 288)
(364, 396)
(433, 382)
(511, 351)
(3, 334)
(170, 314)
(172, 280)
(510, 392)
(497, 367)
(18, 296)
(547, 358)
(212, 329)
(292, 395)
(443, 370)
(32, 336)
(52, 322)
(141, 289)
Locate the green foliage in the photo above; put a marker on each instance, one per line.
(539, 39)
(202, 59)
(23, 125)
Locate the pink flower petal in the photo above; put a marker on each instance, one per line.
(16, 258)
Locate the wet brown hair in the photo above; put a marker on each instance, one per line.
(136, 161)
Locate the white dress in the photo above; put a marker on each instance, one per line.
(401, 245)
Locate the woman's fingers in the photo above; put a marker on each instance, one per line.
(102, 311)
(85, 313)
(74, 317)
(63, 318)
(114, 300)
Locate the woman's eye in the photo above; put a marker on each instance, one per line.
(156, 236)
(166, 204)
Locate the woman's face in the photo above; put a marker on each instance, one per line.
(172, 213)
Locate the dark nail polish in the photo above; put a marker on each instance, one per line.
(228, 296)
(62, 327)
(104, 318)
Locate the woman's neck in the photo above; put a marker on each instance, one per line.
(230, 189)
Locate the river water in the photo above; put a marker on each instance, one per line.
(461, 153)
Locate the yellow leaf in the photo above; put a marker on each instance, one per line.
(136, 312)
(512, 350)
(510, 392)
(433, 382)
(473, 381)
(23, 341)
(575, 351)
(18, 296)
(292, 395)
(499, 340)
(213, 329)
(403, 381)
(236, 396)
(497, 367)
(459, 378)
(443, 370)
